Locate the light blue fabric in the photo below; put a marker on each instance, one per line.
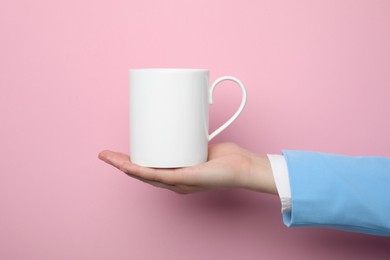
(336, 191)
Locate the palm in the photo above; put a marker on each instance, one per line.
(228, 165)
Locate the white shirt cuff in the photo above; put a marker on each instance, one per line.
(282, 182)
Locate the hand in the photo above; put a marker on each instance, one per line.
(228, 166)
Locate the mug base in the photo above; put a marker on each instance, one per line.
(168, 165)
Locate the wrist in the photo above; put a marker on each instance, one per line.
(261, 178)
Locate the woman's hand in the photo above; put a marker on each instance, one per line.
(228, 166)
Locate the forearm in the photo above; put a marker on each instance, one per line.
(339, 191)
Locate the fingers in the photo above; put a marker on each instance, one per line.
(180, 176)
(123, 163)
(113, 158)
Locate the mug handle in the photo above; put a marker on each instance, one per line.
(243, 101)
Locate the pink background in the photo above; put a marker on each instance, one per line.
(317, 75)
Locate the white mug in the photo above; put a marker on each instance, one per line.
(169, 116)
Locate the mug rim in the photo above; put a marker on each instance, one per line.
(169, 69)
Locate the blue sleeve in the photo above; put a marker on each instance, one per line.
(337, 191)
